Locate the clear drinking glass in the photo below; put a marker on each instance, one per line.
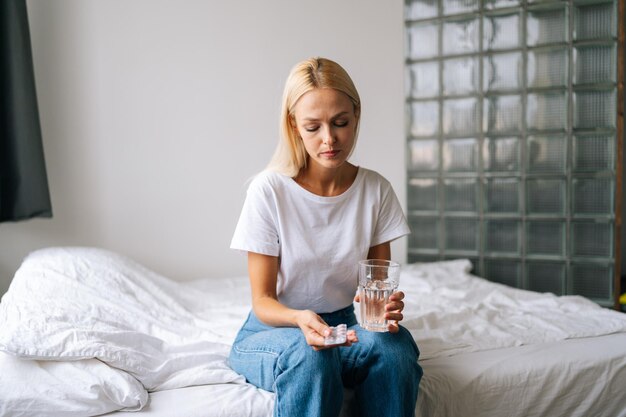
(378, 279)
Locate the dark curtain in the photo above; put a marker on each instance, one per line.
(23, 182)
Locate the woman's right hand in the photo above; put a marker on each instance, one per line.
(315, 329)
(263, 271)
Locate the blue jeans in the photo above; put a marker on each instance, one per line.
(382, 368)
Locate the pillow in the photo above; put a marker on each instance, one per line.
(65, 389)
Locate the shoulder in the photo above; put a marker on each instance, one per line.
(268, 182)
(372, 178)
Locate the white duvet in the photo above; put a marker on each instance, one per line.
(450, 311)
(77, 304)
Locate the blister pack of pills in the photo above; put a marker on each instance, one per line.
(337, 335)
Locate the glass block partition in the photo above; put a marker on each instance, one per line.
(512, 140)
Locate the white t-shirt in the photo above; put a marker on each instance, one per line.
(319, 240)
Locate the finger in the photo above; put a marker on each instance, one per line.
(394, 306)
(324, 347)
(351, 336)
(314, 339)
(393, 327)
(314, 333)
(357, 298)
(396, 296)
(319, 326)
(394, 316)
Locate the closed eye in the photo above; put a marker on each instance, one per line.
(336, 123)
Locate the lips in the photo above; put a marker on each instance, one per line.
(330, 154)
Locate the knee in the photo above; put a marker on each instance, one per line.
(393, 345)
(397, 352)
(405, 345)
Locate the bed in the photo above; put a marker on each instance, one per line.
(84, 331)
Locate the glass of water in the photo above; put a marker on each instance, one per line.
(378, 279)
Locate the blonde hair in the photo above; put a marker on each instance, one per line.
(290, 155)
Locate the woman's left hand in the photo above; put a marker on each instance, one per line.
(393, 311)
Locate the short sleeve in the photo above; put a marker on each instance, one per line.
(257, 228)
(391, 223)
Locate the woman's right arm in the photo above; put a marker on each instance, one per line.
(263, 272)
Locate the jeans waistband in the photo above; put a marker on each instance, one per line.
(345, 315)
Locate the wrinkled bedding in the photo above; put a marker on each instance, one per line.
(75, 305)
(449, 311)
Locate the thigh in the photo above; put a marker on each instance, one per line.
(257, 348)
(385, 373)
(377, 350)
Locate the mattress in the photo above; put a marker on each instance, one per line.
(577, 377)
(141, 341)
(232, 400)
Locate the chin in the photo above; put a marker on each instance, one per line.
(333, 163)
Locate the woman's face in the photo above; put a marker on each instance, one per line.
(326, 122)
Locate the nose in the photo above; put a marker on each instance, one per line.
(329, 136)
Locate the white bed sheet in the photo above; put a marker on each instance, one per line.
(544, 380)
(217, 400)
(79, 303)
(572, 378)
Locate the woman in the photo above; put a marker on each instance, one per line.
(306, 222)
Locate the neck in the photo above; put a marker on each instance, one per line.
(327, 182)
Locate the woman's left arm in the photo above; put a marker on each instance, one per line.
(395, 306)
(382, 251)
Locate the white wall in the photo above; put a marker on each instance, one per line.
(154, 113)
